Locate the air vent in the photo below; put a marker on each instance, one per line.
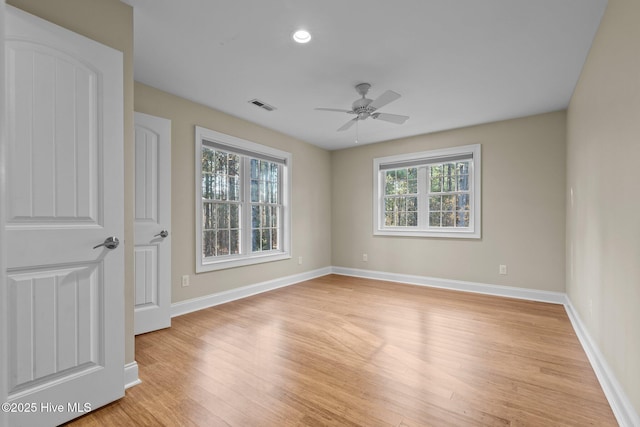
(262, 105)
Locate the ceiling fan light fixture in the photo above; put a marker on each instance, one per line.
(302, 36)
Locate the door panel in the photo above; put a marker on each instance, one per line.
(55, 313)
(46, 85)
(152, 216)
(65, 317)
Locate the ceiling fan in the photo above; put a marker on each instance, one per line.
(364, 107)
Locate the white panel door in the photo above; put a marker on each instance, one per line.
(65, 298)
(152, 222)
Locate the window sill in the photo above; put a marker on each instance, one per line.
(213, 265)
(449, 234)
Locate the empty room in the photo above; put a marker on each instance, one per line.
(299, 213)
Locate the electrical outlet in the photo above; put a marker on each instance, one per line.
(502, 269)
(365, 257)
(299, 260)
(185, 280)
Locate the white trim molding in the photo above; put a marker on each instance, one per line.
(195, 304)
(456, 285)
(131, 375)
(618, 400)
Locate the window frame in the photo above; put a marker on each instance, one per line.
(245, 149)
(381, 164)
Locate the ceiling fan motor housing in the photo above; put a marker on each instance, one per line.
(361, 107)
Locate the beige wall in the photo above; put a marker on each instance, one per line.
(523, 208)
(109, 22)
(311, 199)
(603, 232)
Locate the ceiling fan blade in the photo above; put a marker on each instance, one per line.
(347, 125)
(393, 118)
(335, 109)
(384, 99)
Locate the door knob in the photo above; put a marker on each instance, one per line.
(109, 243)
(163, 234)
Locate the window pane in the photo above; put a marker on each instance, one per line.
(234, 216)
(207, 184)
(390, 182)
(448, 169)
(222, 215)
(207, 156)
(413, 186)
(448, 203)
(388, 204)
(402, 219)
(462, 219)
(261, 191)
(412, 204)
(254, 190)
(462, 167)
(274, 216)
(266, 218)
(435, 203)
(255, 240)
(209, 243)
(207, 216)
(448, 219)
(234, 242)
(412, 173)
(234, 164)
(276, 195)
(388, 219)
(463, 182)
(412, 219)
(436, 185)
(274, 239)
(434, 219)
(222, 243)
(234, 188)
(254, 169)
(266, 240)
(255, 216)
(436, 171)
(264, 170)
(462, 202)
(401, 203)
(449, 183)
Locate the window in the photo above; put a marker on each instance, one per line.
(242, 202)
(431, 194)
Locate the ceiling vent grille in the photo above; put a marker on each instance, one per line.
(262, 105)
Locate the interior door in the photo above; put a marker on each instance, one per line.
(65, 292)
(152, 222)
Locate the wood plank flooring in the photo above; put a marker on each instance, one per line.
(342, 351)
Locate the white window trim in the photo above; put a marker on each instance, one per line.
(473, 232)
(209, 264)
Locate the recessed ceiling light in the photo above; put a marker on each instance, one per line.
(302, 36)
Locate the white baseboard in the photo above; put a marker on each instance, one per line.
(131, 375)
(195, 304)
(457, 285)
(620, 403)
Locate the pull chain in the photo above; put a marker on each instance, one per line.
(357, 131)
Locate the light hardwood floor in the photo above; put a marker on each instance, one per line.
(342, 351)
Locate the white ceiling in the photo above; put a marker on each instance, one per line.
(455, 62)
